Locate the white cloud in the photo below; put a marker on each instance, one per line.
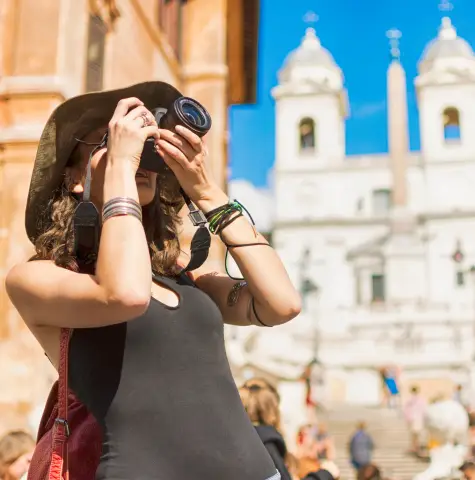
(257, 200)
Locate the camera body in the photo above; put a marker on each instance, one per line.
(185, 112)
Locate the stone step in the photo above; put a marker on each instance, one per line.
(390, 435)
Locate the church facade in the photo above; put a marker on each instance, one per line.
(382, 246)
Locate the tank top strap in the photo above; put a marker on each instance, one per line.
(173, 282)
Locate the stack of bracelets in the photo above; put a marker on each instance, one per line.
(218, 220)
(118, 206)
(222, 217)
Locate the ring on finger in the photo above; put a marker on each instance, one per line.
(145, 119)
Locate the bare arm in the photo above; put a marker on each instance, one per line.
(276, 301)
(47, 295)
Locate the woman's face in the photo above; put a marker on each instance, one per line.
(146, 181)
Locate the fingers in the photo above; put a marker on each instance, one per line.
(166, 149)
(142, 116)
(193, 139)
(123, 108)
(151, 131)
(179, 142)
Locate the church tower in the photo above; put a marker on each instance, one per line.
(311, 107)
(446, 96)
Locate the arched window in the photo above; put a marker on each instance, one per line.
(307, 135)
(451, 118)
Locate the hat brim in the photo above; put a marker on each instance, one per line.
(73, 119)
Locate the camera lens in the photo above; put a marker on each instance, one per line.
(187, 113)
(192, 114)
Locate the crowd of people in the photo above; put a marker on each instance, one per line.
(315, 453)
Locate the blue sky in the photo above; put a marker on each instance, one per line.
(354, 32)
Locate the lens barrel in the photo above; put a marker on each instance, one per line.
(187, 113)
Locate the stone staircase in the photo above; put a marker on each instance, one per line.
(390, 436)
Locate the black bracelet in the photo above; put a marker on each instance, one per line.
(247, 245)
(226, 221)
(255, 314)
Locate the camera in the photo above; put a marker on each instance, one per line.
(185, 112)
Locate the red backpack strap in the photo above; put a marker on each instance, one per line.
(59, 454)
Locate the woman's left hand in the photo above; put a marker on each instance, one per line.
(185, 154)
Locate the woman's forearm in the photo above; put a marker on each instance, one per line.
(123, 264)
(276, 300)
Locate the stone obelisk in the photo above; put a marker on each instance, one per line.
(404, 258)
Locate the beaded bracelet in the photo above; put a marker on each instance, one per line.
(120, 206)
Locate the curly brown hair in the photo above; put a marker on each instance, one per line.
(160, 219)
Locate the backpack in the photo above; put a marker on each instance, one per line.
(69, 440)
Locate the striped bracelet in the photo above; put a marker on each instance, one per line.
(120, 206)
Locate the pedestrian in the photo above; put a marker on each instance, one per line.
(361, 447)
(468, 470)
(16, 450)
(414, 412)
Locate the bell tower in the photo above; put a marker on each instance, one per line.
(446, 97)
(311, 107)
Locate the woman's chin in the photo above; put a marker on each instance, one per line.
(146, 194)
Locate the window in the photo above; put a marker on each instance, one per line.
(170, 22)
(451, 119)
(307, 135)
(95, 54)
(377, 285)
(381, 202)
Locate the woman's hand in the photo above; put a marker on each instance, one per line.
(185, 153)
(129, 127)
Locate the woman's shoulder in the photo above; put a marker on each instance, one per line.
(30, 270)
(28, 276)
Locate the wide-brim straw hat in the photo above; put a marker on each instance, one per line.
(74, 119)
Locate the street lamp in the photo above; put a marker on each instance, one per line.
(471, 271)
(308, 287)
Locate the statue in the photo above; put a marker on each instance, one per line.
(446, 423)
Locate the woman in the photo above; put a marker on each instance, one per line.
(146, 357)
(16, 449)
(263, 409)
(262, 406)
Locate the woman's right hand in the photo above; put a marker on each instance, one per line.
(129, 127)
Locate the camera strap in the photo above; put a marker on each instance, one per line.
(86, 220)
(201, 241)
